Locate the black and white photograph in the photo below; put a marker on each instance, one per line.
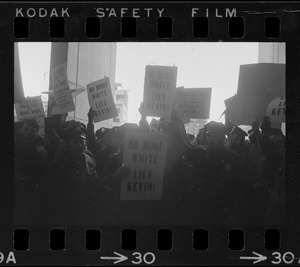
(156, 133)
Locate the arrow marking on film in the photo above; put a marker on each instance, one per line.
(257, 258)
(119, 259)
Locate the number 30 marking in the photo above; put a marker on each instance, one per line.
(287, 257)
(138, 257)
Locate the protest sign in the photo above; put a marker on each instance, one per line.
(145, 155)
(101, 100)
(229, 101)
(62, 101)
(258, 85)
(32, 108)
(276, 110)
(193, 102)
(159, 90)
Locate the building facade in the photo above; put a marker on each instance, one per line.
(271, 53)
(86, 63)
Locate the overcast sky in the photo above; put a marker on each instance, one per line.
(214, 65)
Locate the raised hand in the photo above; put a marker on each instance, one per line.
(91, 114)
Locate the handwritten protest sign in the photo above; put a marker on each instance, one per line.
(145, 154)
(193, 102)
(62, 98)
(101, 99)
(258, 85)
(276, 110)
(159, 90)
(32, 108)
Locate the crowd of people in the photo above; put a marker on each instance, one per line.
(73, 175)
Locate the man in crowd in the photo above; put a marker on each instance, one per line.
(30, 170)
(101, 137)
(110, 156)
(52, 138)
(237, 141)
(27, 151)
(237, 144)
(95, 141)
(105, 146)
(221, 193)
(170, 209)
(73, 188)
(273, 170)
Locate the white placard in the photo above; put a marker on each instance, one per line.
(32, 108)
(145, 154)
(62, 101)
(159, 90)
(101, 100)
(193, 102)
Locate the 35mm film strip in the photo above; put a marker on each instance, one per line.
(151, 133)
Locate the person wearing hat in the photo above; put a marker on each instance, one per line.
(255, 128)
(74, 186)
(222, 195)
(30, 170)
(106, 148)
(28, 147)
(215, 135)
(95, 140)
(265, 125)
(74, 150)
(52, 138)
(177, 167)
(238, 132)
(101, 137)
(267, 146)
(237, 142)
(109, 158)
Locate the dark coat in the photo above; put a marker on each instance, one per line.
(30, 176)
(74, 190)
(219, 191)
